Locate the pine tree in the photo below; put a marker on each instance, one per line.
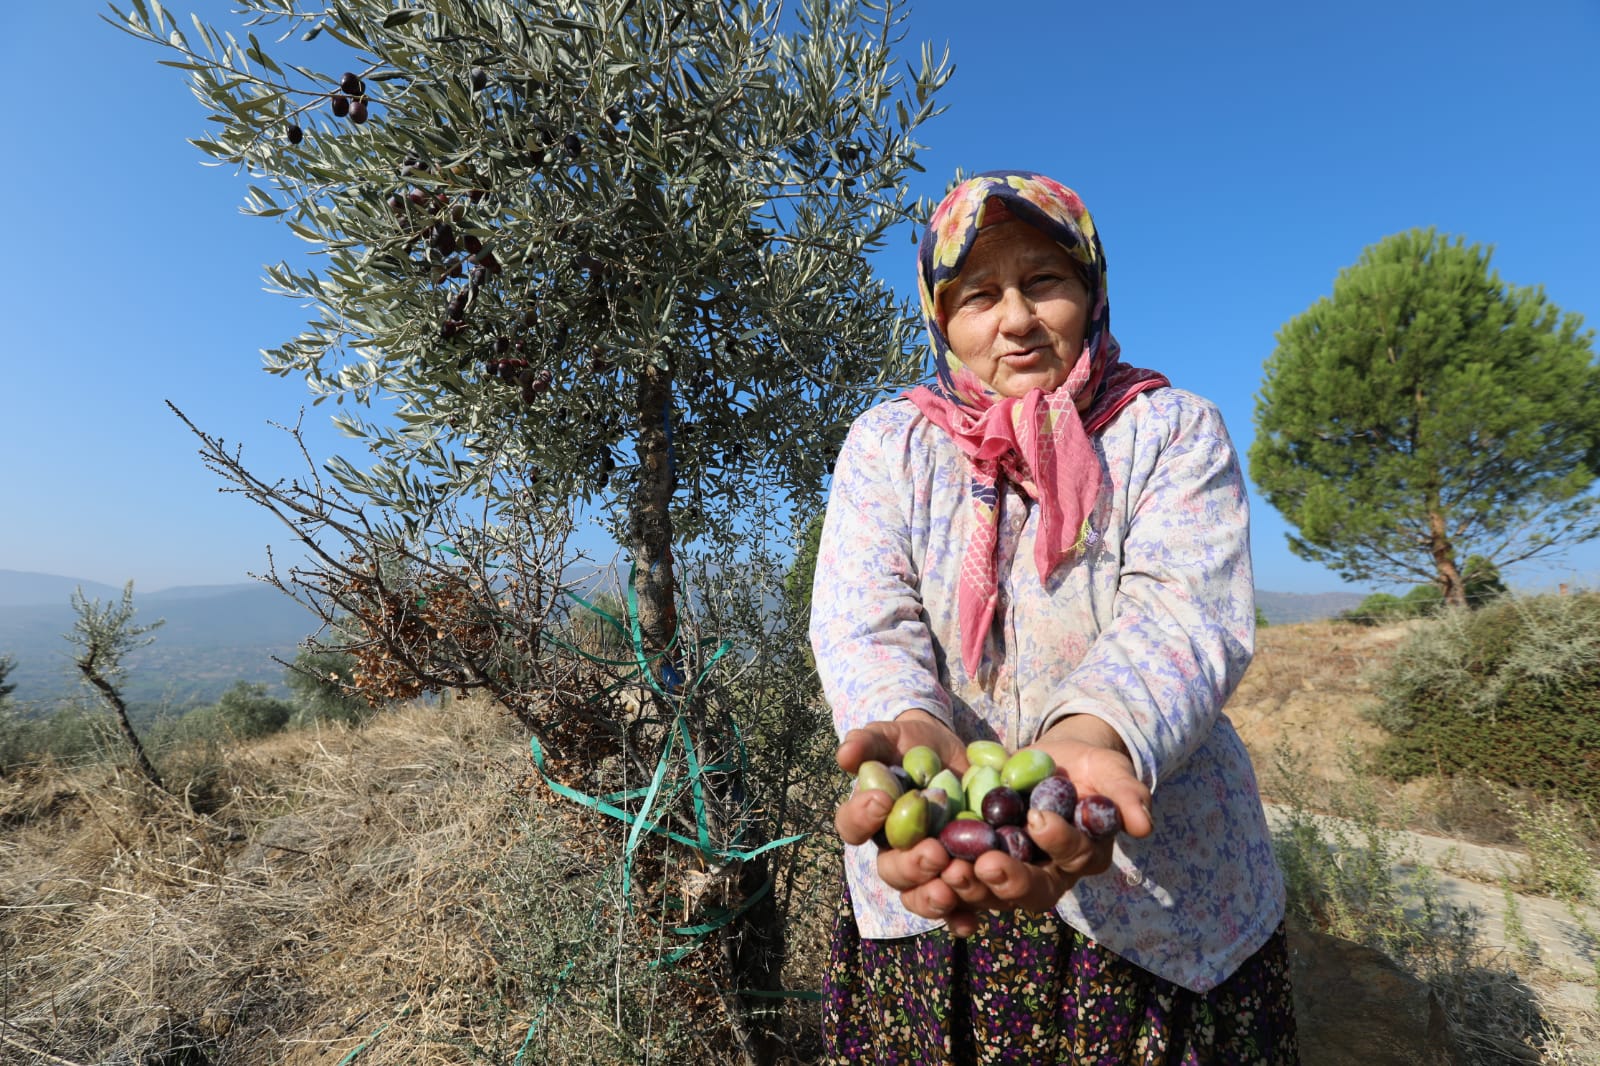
(1427, 411)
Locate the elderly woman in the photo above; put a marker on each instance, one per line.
(1048, 548)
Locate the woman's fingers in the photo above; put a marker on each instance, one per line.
(859, 745)
(861, 815)
(913, 868)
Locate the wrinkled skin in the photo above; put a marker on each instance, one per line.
(934, 885)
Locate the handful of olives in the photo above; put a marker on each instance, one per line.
(984, 809)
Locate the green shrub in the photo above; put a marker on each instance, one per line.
(1422, 600)
(1481, 579)
(1510, 693)
(1382, 608)
(246, 711)
(323, 685)
(73, 733)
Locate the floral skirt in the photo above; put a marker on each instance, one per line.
(1028, 988)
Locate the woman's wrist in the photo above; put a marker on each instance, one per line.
(918, 714)
(1086, 729)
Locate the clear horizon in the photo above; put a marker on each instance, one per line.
(1236, 158)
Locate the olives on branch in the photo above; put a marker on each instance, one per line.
(444, 238)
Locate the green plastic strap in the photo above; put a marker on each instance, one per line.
(698, 784)
(731, 854)
(762, 993)
(359, 1048)
(724, 916)
(699, 931)
(641, 820)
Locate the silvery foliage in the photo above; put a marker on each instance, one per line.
(685, 189)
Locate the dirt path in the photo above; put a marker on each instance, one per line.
(1562, 939)
(1304, 695)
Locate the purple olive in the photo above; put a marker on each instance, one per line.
(906, 784)
(939, 812)
(967, 838)
(1004, 806)
(1056, 795)
(1097, 817)
(1015, 841)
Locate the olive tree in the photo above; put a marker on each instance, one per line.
(103, 634)
(1427, 411)
(587, 253)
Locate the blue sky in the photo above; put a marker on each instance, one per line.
(1235, 155)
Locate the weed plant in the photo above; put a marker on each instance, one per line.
(1510, 692)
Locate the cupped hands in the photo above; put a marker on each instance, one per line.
(933, 884)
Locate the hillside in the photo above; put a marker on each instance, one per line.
(411, 892)
(1287, 608)
(212, 637)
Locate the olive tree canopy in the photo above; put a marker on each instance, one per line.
(589, 250)
(1427, 411)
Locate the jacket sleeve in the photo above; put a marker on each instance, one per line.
(1182, 630)
(874, 652)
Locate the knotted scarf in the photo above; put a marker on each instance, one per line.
(1038, 442)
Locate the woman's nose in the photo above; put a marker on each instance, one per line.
(1016, 312)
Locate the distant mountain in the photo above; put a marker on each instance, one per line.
(1286, 608)
(213, 636)
(194, 592)
(20, 588)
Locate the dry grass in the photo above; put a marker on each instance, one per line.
(405, 891)
(339, 883)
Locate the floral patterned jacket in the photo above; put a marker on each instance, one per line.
(1150, 631)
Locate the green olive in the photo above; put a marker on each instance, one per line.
(980, 779)
(1026, 768)
(873, 774)
(987, 753)
(955, 795)
(907, 824)
(922, 763)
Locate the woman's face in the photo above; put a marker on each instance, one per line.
(1017, 312)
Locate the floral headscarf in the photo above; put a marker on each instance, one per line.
(1038, 442)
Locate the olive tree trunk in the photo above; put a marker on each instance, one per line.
(752, 945)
